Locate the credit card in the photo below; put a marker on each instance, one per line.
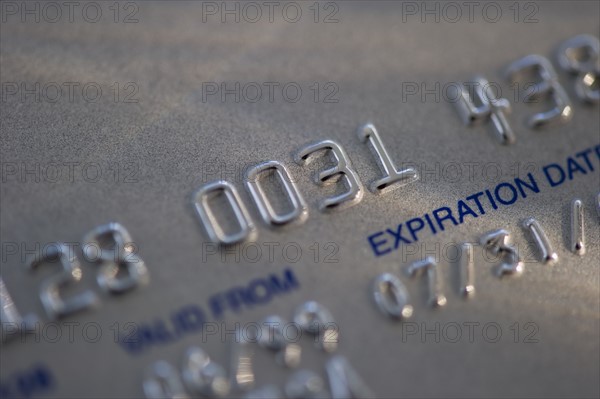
(309, 199)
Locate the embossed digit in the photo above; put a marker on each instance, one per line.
(429, 266)
(203, 376)
(118, 259)
(497, 242)
(547, 87)
(11, 321)
(547, 253)
(391, 296)
(580, 56)
(485, 106)
(50, 291)
(215, 231)
(344, 381)
(163, 381)
(342, 169)
(299, 211)
(393, 177)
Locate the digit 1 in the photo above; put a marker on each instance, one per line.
(467, 273)
(548, 255)
(392, 175)
(577, 235)
(11, 321)
(429, 265)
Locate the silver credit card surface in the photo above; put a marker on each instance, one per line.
(299, 199)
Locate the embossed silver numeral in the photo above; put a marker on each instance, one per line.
(485, 106)
(429, 266)
(391, 296)
(50, 291)
(11, 321)
(497, 242)
(163, 381)
(580, 56)
(242, 373)
(577, 233)
(344, 381)
(119, 256)
(467, 272)
(547, 87)
(315, 319)
(202, 376)
(342, 170)
(547, 253)
(299, 211)
(214, 230)
(393, 178)
(273, 338)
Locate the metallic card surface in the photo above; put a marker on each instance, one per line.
(121, 112)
